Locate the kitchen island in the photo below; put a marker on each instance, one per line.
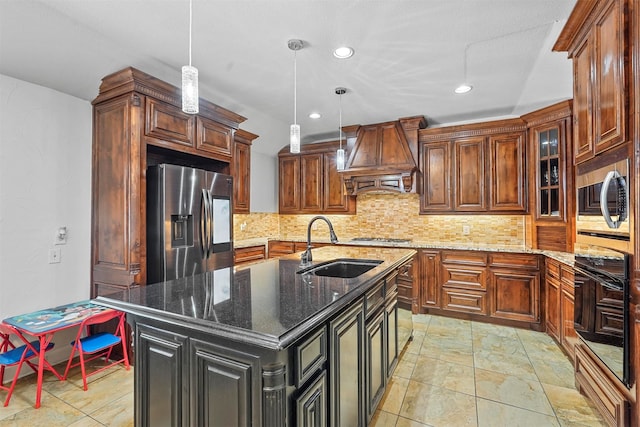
(270, 343)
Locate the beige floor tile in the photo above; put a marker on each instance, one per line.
(480, 329)
(512, 390)
(383, 419)
(441, 373)
(495, 414)
(421, 318)
(513, 364)
(554, 371)
(436, 406)
(52, 412)
(118, 413)
(88, 422)
(449, 350)
(498, 343)
(572, 408)
(406, 422)
(392, 400)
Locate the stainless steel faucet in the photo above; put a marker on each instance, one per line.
(306, 258)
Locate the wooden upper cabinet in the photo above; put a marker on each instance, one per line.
(309, 182)
(436, 170)
(506, 169)
(242, 171)
(167, 123)
(595, 38)
(289, 184)
(311, 176)
(474, 168)
(469, 173)
(213, 137)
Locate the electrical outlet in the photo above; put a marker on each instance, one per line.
(466, 229)
(243, 226)
(54, 255)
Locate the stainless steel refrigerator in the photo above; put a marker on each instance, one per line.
(189, 222)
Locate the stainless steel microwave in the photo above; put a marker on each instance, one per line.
(602, 208)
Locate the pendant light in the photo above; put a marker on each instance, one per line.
(340, 154)
(190, 100)
(294, 133)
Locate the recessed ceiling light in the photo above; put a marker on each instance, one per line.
(464, 88)
(343, 52)
(314, 116)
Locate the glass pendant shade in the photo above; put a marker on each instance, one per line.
(190, 89)
(294, 139)
(340, 159)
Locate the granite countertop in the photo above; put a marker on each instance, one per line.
(564, 257)
(267, 304)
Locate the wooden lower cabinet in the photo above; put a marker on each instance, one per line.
(559, 305)
(552, 299)
(501, 287)
(595, 380)
(278, 248)
(249, 254)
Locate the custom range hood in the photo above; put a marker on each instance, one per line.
(383, 157)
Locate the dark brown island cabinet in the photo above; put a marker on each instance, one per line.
(269, 343)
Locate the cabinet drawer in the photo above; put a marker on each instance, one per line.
(309, 356)
(464, 258)
(464, 276)
(462, 300)
(374, 298)
(567, 275)
(168, 123)
(514, 260)
(248, 254)
(405, 292)
(278, 248)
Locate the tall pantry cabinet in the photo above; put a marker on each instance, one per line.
(137, 122)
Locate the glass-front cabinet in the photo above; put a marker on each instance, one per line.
(548, 173)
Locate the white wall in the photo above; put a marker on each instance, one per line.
(264, 183)
(45, 183)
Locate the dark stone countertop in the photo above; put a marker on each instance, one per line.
(266, 304)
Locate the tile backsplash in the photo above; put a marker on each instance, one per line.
(389, 216)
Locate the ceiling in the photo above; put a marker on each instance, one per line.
(409, 55)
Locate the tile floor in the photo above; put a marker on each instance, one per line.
(454, 373)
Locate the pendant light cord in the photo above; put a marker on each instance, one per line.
(340, 130)
(190, 25)
(295, 88)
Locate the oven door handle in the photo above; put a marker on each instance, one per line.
(599, 279)
(621, 200)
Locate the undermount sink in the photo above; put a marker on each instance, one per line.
(344, 268)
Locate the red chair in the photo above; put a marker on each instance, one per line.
(91, 347)
(10, 355)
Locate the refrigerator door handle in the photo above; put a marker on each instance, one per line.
(204, 223)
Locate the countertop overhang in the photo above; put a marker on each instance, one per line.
(266, 304)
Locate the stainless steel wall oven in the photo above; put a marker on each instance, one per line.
(601, 314)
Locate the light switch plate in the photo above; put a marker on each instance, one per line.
(54, 255)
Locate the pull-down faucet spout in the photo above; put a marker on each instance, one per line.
(306, 258)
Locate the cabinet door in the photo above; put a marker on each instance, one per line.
(552, 298)
(213, 137)
(469, 178)
(582, 115)
(162, 381)
(311, 174)
(335, 199)
(376, 363)
(118, 215)
(429, 279)
(225, 385)
(567, 332)
(516, 295)
(311, 405)
(436, 168)
(241, 178)
(346, 366)
(392, 335)
(168, 124)
(609, 111)
(549, 179)
(507, 175)
(289, 179)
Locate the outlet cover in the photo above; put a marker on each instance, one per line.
(54, 255)
(466, 229)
